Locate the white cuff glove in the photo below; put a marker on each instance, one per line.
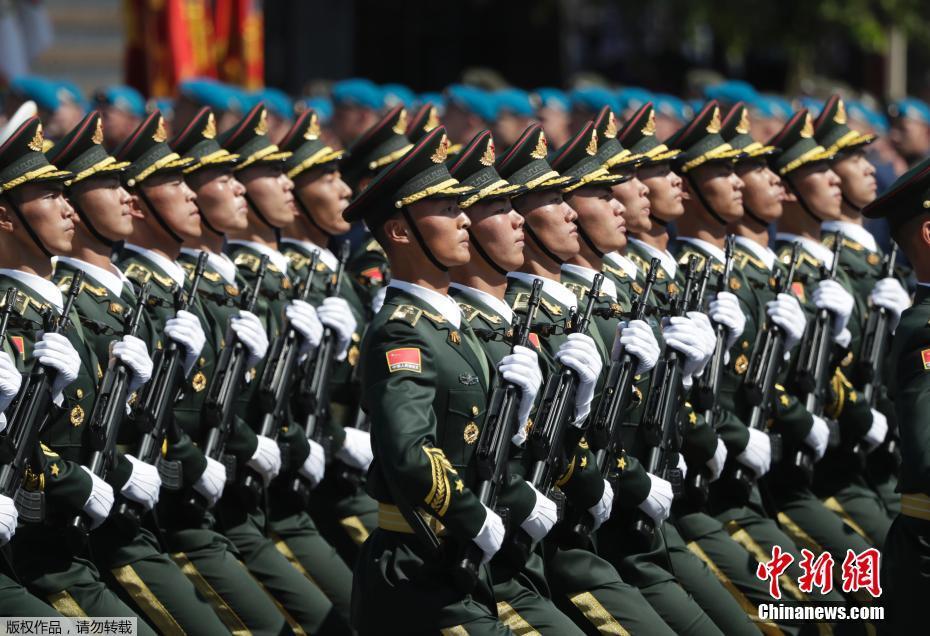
(266, 459)
(336, 314)
(877, 432)
(56, 352)
(684, 336)
(758, 453)
(143, 484)
(377, 301)
(212, 482)
(302, 316)
(356, 450)
(9, 516)
(889, 293)
(725, 310)
(134, 354)
(491, 535)
(833, 297)
(601, 510)
(186, 330)
(314, 466)
(786, 312)
(637, 339)
(579, 353)
(716, 463)
(10, 380)
(251, 333)
(818, 437)
(521, 367)
(543, 516)
(682, 466)
(100, 500)
(658, 504)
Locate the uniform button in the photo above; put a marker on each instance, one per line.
(79, 393)
(474, 410)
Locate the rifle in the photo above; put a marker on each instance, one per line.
(660, 417)
(19, 443)
(494, 444)
(765, 362)
(219, 403)
(314, 389)
(813, 374)
(152, 413)
(107, 415)
(274, 390)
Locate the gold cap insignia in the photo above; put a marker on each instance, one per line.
(714, 126)
(161, 134)
(401, 126)
(442, 151)
(743, 127)
(98, 133)
(313, 130)
(591, 148)
(539, 152)
(262, 127)
(433, 119)
(840, 116)
(611, 131)
(650, 128)
(209, 131)
(37, 140)
(487, 159)
(808, 131)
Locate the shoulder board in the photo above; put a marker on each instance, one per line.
(520, 301)
(298, 260)
(408, 314)
(187, 266)
(165, 281)
(552, 308)
(853, 245)
(809, 260)
(471, 313)
(615, 271)
(686, 255)
(20, 302)
(741, 259)
(577, 289)
(784, 254)
(138, 273)
(640, 263)
(248, 261)
(213, 277)
(65, 283)
(828, 239)
(374, 246)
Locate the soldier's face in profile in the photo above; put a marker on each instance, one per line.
(721, 188)
(665, 192)
(47, 212)
(552, 220)
(108, 205)
(634, 195)
(175, 203)
(326, 196)
(763, 191)
(444, 228)
(600, 216)
(272, 191)
(221, 198)
(857, 175)
(499, 230)
(820, 188)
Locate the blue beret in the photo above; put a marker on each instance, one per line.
(912, 108)
(44, 92)
(513, 100)
(671, 106)
(220, 97)
(552, 98)
(394, 94)
(592, 98)
(276, 101)
(812, 104)
(858, 110)
(730, 92)
(632, 97)
(72, 91)
(123, 97)
(164, 105)
(358, 92)
(321, 106)
(436, 99)
(472, 99)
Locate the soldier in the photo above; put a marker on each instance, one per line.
(903, 570)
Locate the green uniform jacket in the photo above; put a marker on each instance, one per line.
(368, 268)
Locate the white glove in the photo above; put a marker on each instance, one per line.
(521, 367)
(356, 450)
(638, 339)
(658, 504)
(543, 516)
(266, 459)
(212, 482)
(877, 432)
(602, 509)
(314, 466)
(9, 516)
(684, 336)
(56, 352)
(186, 330)
(758, 453)
(377, 301)
(708, 335)
(491, 536)
(580, 354)
(682, 466)
(143, 484)
(251, 333)
(785, 311)
(134, 354)
(335, 314)
(726, 311)
(833, 297)
(10, 380)
(302, 316)
(716, 463)
(889, 293)
(100, 500)
(818, 437)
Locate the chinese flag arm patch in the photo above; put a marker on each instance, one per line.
(798, 290)
(373, 274)
(533, 338)
(406, 359)
(925, 358)
(20, 345)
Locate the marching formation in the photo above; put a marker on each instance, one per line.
(557, 390)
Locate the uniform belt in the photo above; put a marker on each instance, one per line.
(916, 505)
(390, 518)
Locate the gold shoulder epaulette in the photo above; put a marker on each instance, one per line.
(807, 258)
(248, 261)
(20, 302)
(408, 314)
(743, 258)
(298, 260)
(138, 273)
(615, 271)
(552, 308)
(640, 263)
(65, 283)
(468, 311)
(165, 281)
(577, 289)
(213, 277)
(853, 245)
(686, 257)
(520, 301)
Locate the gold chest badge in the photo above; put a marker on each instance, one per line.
(471, 433)
(77, 416)
(741, 364)
(199, 382)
